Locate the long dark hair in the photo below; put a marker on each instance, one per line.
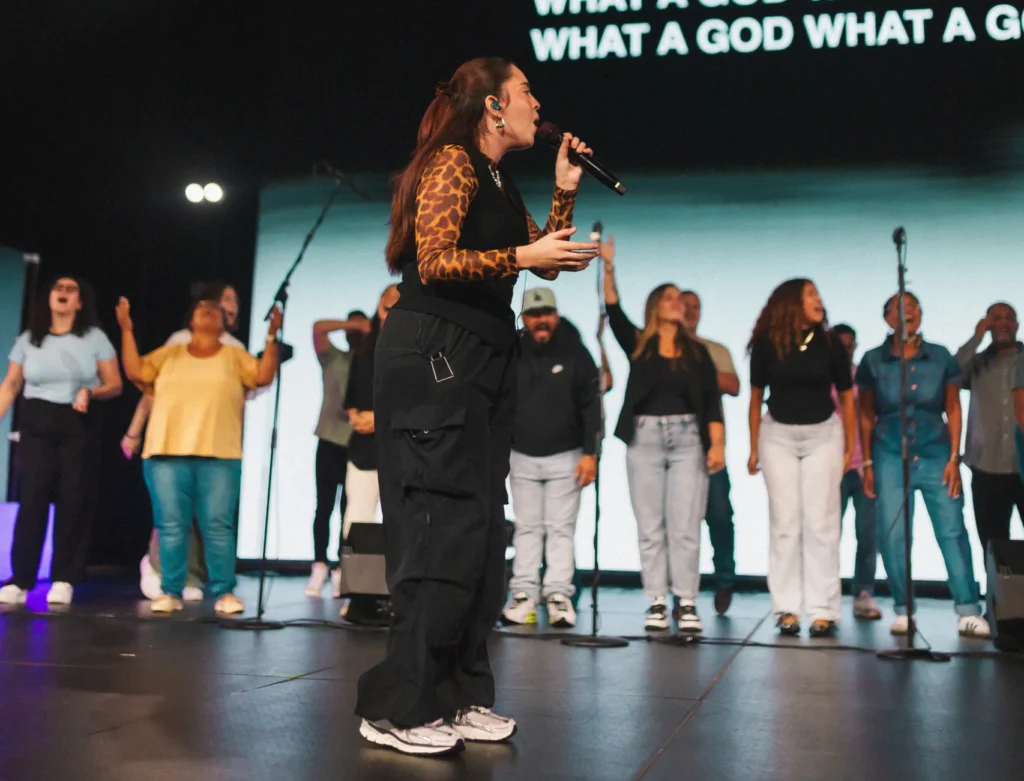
(453, 117)
(647, 338)
(782, 319)
(40, 319)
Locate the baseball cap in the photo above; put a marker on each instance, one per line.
(538, 298)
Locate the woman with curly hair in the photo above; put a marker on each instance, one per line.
(803, 451)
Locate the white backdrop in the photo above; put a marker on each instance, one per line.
(730, 237)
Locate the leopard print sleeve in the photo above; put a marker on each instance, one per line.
(563, 203)
(446, 189)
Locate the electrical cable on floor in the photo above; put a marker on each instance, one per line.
(681, 639)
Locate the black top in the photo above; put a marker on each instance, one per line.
(362, 451)
(558, 405)
(670, 394)
(696, 374)
(495, 219)
(800, 383)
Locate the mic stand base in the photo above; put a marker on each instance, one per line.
(594, 641)
(911, 654)
(250, 624)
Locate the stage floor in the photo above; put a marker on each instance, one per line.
(103, 690)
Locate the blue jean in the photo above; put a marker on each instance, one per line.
(866, 526)
(947, 516)
(721, 530)
(668, 487)
(183, 488)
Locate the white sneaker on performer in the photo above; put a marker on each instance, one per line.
(900, 626)
(166, 604)
(974, 626)
(60, 593)
(560, 612)
(435, 738)
(12, 595)
(685, 614)
(229, 605)
(657, 615)
(317, 579)
(483, 724)
(192, 594)
(521, 610)
(336, 582)
(149, 581)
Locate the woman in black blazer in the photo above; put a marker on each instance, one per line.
(671, 422)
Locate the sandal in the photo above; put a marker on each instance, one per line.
(788, 624)
(823, 628)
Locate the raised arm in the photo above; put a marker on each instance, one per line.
(967, 355)
(268, 361)
(130, 358)
(321, 328)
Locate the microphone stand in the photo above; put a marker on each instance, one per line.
(284, 353)
(909, 652)
(593, 640)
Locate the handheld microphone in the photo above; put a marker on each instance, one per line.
(552, 136)
(596, 231)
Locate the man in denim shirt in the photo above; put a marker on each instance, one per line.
(1018, 407)
(933, 434)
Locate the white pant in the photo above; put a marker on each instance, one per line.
(546, 501)
(362, 493)
(803, 469)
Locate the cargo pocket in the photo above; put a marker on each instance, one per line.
(435, 455)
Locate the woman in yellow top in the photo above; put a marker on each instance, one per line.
(192, 456)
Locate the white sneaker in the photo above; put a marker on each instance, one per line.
(149, 581)
(900, 626)
(865, 608)
(560, 612)
(60, 593)
(317, 579)
(336, 582)
(433, 738)
(192, 594)
(685, 614)
(165, 604)
(229, 605)
(974, 626)
(521, 610)
(12, 595)
(657, 615)
(482, 724)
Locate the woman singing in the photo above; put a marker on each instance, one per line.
(444, 404)
(64, 362)
(803, 450)
(193, 449)
(933, 395)
(671, 422)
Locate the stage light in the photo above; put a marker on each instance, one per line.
(194, 192)
(213, 192)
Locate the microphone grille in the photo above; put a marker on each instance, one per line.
(549, 133)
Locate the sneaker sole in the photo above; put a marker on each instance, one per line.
(388, 740)
(691, 629)
(655, 627)
(563, 623)
(530, 620)
(14, 603)
(483, 736)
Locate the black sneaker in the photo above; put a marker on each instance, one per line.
(657, 615)
(686, 618)
(823, 628)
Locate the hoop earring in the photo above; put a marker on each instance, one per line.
(500, 124)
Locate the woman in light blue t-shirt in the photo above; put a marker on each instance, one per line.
(63, 362)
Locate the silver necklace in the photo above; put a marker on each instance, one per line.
(807, 341)
(495, 176)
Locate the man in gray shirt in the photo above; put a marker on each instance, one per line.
(990, 453)
(1018, 406)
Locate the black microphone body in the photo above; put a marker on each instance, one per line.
(899, 236)
(552, 135)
